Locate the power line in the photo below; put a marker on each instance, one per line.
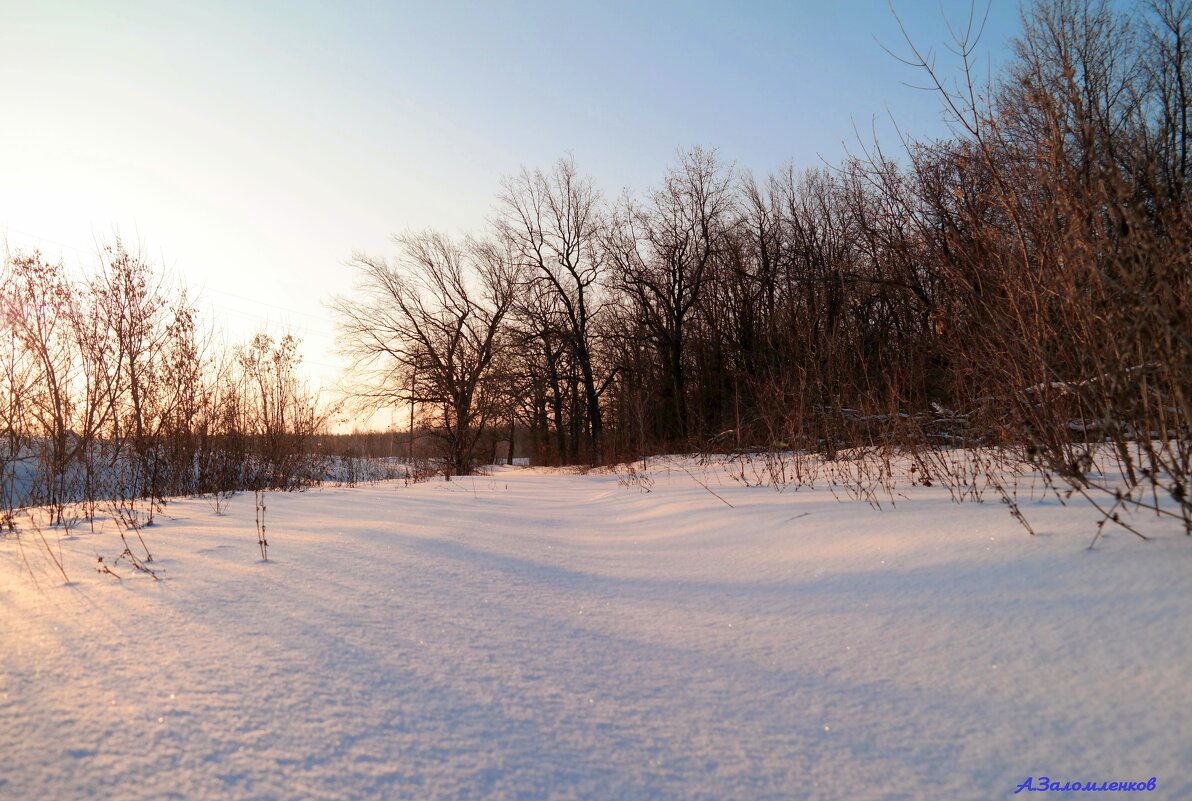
(266, 321)
(265, 303)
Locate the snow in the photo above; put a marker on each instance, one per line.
(542, 635)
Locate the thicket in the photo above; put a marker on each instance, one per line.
(1015, 295)
(113, 398)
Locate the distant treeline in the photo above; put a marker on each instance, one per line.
(1023, 286)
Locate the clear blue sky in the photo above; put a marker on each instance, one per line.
(252, 146)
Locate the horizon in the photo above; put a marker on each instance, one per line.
(249, 152)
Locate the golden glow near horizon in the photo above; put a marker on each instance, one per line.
(219, 154)
(249, 149)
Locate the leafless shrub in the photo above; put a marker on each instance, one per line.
(629, 475)
(420, 470)
(52, 552)
(1064, 232)
(259, 506)
(127, 556)
(219, 500)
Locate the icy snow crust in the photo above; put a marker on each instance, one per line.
(528, 635)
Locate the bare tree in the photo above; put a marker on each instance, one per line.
(662, 251)
(151, 342)
(540, 326)
(18, 380)
(553, 222)
(426, 329)
(98, 374)
(38, 304)
(1168, 37)
(276, 411)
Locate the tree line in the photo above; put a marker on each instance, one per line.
(113, 396)
(1021, 287)
(1017, 293)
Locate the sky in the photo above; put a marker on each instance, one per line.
(249, 148)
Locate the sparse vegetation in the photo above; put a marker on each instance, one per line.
(113, 400)
(1012, 299)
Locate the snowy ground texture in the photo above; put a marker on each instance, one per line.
(529, 635)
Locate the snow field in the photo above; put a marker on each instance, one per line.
(534, 635)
